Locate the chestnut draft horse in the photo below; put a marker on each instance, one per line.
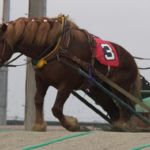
(48, 40)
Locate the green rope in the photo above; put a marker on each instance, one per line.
(10, 131)
(65, 138)
(141, 147)
(58, 140)
(17, 131)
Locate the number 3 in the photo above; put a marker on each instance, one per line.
(109, 55)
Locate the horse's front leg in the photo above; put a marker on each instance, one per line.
(41, 88)
(68, 122)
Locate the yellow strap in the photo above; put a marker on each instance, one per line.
(59, 40)
(43, 61)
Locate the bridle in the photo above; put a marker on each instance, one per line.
(2, 52)
(7, 63)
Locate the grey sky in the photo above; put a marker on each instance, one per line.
(125, 22)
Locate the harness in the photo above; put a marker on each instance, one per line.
(62, 45)
(60, 49)
(61, 41)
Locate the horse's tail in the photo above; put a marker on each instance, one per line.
(137, 86)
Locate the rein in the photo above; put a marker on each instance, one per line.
(2, 52)
(142, 59)
(7, 64)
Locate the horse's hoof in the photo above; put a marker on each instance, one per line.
(121, 126)
(39, 127)
(126, 127)
(118, 128)
(70, 123)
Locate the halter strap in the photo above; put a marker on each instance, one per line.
(7, 63)
(2, 52)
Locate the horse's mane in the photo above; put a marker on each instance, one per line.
(37, 31)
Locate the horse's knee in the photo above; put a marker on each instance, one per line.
(38, 101)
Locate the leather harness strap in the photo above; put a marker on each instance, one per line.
(62, 51)
(66, 36)
(93, 52)
(65, 53)
(64, 42)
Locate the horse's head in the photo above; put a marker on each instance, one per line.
(5, 50)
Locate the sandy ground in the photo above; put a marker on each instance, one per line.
(21, 127)
(93, 141)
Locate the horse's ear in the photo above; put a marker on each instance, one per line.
(3, 28)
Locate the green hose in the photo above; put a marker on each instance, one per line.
(141, 147)
(54, 141)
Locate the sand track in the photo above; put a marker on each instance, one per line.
(93, 141)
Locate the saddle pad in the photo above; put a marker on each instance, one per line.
(106, 53)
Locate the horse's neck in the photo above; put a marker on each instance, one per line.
(32, 52)
(79, 49)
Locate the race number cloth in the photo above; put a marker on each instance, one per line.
(106, 53)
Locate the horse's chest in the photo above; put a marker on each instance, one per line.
(54, 74)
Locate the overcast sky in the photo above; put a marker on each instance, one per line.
(125, 22)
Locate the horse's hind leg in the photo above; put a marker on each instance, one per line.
(125, 115)
(70, 123)
(40, 124)
(105, 101)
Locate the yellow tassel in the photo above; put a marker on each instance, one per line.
(41, 63)
(63, 16)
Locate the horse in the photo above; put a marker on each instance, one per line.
(47, 41)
